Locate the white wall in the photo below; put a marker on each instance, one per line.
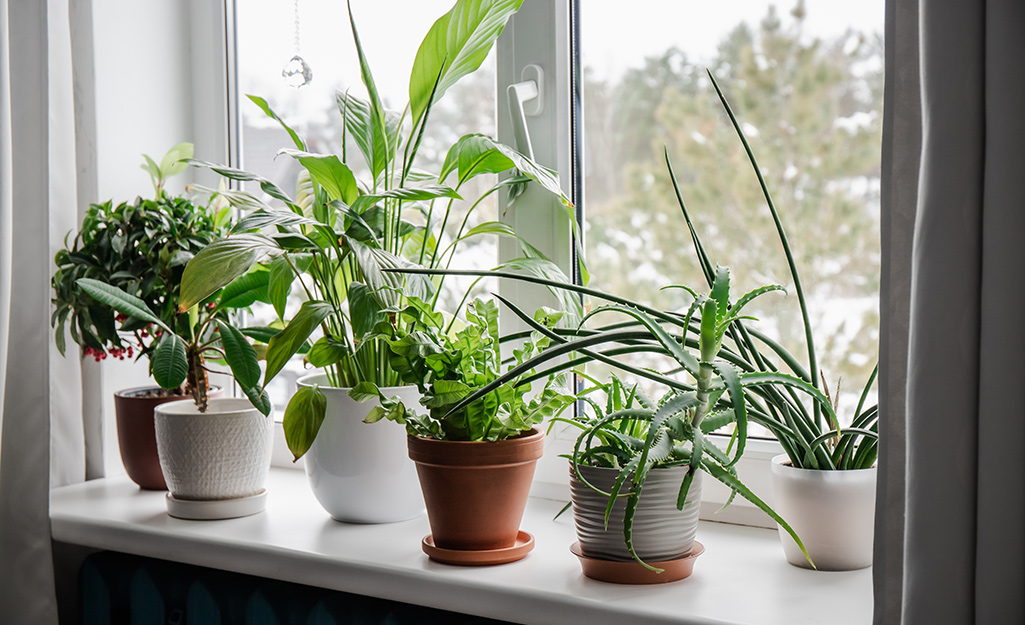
(143, 90)
(151, 58)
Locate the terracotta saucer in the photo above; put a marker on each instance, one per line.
(524, 543)
(633, 572)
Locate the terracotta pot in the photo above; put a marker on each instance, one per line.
(832, 511)
(134, 412)
(476, 491)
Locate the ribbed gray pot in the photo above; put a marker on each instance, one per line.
(660, 531)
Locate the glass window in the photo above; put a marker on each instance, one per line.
(266, 41)
(805, 79)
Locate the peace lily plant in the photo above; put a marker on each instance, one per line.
(339, 234)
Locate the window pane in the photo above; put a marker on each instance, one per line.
(805, 80)
(266, 42)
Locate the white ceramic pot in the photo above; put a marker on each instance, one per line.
(660, 531)
(832, 511)
(361, 472)
(221, 454)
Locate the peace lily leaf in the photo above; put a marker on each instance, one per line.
(326, 352)
(240, 355)
(265, 217)
(231, 173)
(477, 154)
(455, 46)
(383, 148)
(246, 290)
(364, 311)
(168, 362)
(408, 194)
(286, 343)
(303, 418)
(296, 139)
(329, 172)
(119, 300)
(221, 262)
(377, 147)
(263, 334)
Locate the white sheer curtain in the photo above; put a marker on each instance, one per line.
(42, 433)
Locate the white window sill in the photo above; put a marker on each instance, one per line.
(742, 578)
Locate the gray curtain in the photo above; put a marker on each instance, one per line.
(951, 502)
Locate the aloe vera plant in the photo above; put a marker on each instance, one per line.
(336, 237)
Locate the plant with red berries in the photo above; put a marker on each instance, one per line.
(139, 247)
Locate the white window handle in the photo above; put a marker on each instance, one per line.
(526, 98)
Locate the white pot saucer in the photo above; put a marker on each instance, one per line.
(206, 510)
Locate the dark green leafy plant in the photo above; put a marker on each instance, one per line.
(204, 331)
(447, 363)
(140, 247)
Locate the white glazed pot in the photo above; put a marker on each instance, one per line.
(832, 511)
(660, 531)
(223, 453)
(361, 472)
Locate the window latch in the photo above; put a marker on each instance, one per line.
(526, 98)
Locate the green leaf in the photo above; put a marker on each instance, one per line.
(336, 177)
(221, 262)
(264, 217)
(479, 154)
(384, 148)
(720, 292)
(455, 46)
(303, 418)
(406, 194)
(296, 139)
(240, 355)
(387, 286)
(326, 352)
(377, 147)
(231, 173)
(259, 398)
(170, 367)
(172, 163)
(246, 290)
(364, 310)
(119, 300)
(286, 343)
(365, 391)
(733, 386)
(279, 284)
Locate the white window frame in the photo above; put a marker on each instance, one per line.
(539, 34)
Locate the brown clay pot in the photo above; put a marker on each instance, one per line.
(476, 491)
(135, 435)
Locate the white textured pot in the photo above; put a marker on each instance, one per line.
(361, 472)
(832, 511)
(660, 531)
(223, 453)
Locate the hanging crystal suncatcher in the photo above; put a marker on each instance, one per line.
(297, 72)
